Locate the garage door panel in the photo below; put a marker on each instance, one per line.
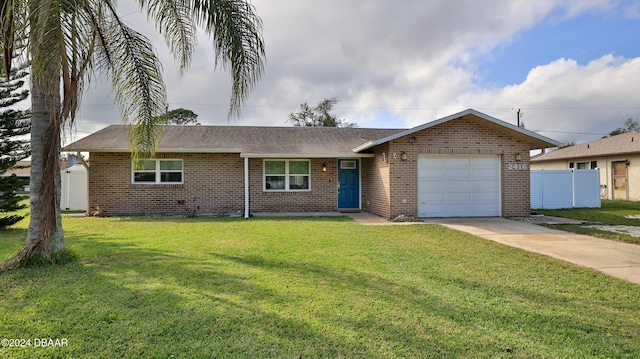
(458, 172)
(483, 161)
(431, 197)
(456, 161)
(484, 172)
(484, 186)
(463, 197)
(458, 186)
(434, 187)
(484, 197)
(426, 209)
(452, 187)
(431, 173)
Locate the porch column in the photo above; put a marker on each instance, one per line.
(246, 187)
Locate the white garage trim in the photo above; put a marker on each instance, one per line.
(459, 186)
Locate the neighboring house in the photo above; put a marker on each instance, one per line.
(22, 169)
(617, 157)
(466, 164)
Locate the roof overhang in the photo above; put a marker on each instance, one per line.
(307, 155)
(585, 157)
(230, 150)
(158, 150)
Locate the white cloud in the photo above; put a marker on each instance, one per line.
(567, 98)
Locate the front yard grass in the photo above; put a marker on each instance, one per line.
(308, 287)
(612, 213)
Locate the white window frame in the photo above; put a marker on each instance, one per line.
(286, 175)
(158, 172)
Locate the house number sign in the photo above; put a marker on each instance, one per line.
(517, 166)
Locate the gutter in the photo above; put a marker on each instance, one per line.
(307, 155)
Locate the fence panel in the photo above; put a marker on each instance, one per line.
(553, 189)
(586, 189)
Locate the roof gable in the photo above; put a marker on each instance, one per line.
(534, 139)
(622, 144)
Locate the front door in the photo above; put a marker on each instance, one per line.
(349, 184)
(620, 181)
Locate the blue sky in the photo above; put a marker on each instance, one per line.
(582, 38)
(572, 66)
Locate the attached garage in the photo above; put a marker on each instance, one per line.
(464, 165)
(459, 186)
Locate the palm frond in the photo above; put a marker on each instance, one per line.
(7, 32)
(136, 74)
(173, 19)
(238, 43)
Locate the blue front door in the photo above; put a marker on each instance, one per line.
(349, 184)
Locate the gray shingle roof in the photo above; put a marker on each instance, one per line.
(284, 141)
(623, 144)
(258, 141)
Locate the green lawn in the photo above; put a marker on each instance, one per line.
(308, 287)
(611, 213)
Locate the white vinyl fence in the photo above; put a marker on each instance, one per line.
(552, 189)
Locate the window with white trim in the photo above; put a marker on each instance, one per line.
(287, 175)
(158, 171)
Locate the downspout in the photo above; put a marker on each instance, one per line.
(246, 187)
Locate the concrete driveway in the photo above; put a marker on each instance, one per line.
(620, 260)
(617, 259)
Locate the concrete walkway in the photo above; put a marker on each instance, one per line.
(620, 260)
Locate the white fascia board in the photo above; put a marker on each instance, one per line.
(307, 155)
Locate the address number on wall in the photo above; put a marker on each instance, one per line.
(517, 166)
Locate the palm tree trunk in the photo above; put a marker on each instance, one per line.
(45, 235)
(45, 220)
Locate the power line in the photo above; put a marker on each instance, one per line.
(572, 133)
(397, 108)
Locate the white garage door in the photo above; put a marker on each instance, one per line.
(458, 186)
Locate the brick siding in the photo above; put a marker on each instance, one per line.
(213, 185)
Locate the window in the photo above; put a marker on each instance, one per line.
(348, 165)
(286, 175)
(157, 172)
(583, 165)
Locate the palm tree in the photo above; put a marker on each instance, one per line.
(70, 40)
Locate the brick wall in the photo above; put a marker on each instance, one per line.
(321, 198)
(375, 183)
(213, 185)
(396, 181)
